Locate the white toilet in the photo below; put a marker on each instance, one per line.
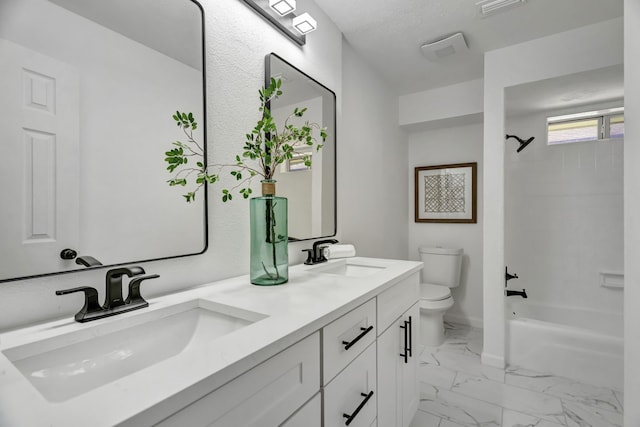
(441, 272)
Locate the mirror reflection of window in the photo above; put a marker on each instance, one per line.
(297, 163)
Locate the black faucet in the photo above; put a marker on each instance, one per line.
(113, 289)
(316, 255)
(522, 293)
(113, 301)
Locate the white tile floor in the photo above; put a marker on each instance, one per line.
(457, 390)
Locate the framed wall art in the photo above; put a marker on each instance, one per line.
(446, 193)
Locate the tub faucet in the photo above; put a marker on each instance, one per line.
(522, 293)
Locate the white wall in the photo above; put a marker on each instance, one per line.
(462, 101)
(372, 164)
(462, 144)
(563, 216)
(632, 214)
(590, 47)
(237, 40)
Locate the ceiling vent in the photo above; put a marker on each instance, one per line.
(491, 7)
(442, 48)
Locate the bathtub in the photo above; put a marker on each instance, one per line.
(583, 345)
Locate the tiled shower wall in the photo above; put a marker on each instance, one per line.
(563, 216)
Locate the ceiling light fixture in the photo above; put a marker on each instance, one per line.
(490, 7)
(283, 7)
(304, 23)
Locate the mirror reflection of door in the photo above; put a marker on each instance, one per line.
(39, 130)
(87, 95)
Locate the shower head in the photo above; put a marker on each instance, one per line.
(522, 142)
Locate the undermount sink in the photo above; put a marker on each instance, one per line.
(348, 267)
(68, 365)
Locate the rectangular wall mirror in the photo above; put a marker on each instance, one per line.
(87, 95)
(311, 191)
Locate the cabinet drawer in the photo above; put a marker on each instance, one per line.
(396, 300)
(310, 415)
(353, 393)
(263, 396)
(346, 337)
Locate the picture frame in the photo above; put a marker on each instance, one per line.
(446, 193)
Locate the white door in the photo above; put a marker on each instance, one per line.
(39, 176)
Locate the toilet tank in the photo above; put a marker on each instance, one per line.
(441, 266)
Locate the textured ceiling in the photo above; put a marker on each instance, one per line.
(388, 33)
(575, 90)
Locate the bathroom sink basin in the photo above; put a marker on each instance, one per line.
(68, 365)
(348, 267)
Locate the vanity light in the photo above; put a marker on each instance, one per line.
(283, 7)
(304, 23)
(278, 13)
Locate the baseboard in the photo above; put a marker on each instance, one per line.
(493, 360)
(474, 322)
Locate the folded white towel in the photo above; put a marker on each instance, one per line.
(339, 251)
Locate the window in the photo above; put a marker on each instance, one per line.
(588, 126)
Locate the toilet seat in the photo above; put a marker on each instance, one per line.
(434, 292)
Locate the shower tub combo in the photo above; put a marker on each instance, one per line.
(583, 345)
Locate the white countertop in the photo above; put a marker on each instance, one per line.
(296, 309)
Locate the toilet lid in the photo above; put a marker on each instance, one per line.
(434, 292)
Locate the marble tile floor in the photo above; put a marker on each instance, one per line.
(457, 390)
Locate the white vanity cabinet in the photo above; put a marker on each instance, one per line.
(398, 387)
(379, 386)
(310, 415)
(322, 351)
(346, 337)
(349, 368)
(350, 398)
(266, 395)
(397, 363)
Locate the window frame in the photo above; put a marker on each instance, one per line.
(604, 123)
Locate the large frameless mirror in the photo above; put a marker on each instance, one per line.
(87, 95)
(311, 191)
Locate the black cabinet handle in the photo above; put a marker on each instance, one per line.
(360, 406)
(410, 349)
(405, 355)
(349, 344)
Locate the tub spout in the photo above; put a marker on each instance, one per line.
(522, 293)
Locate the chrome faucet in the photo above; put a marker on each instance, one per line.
(316, 255)
(113, 301)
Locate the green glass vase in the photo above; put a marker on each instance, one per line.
(269, 237)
